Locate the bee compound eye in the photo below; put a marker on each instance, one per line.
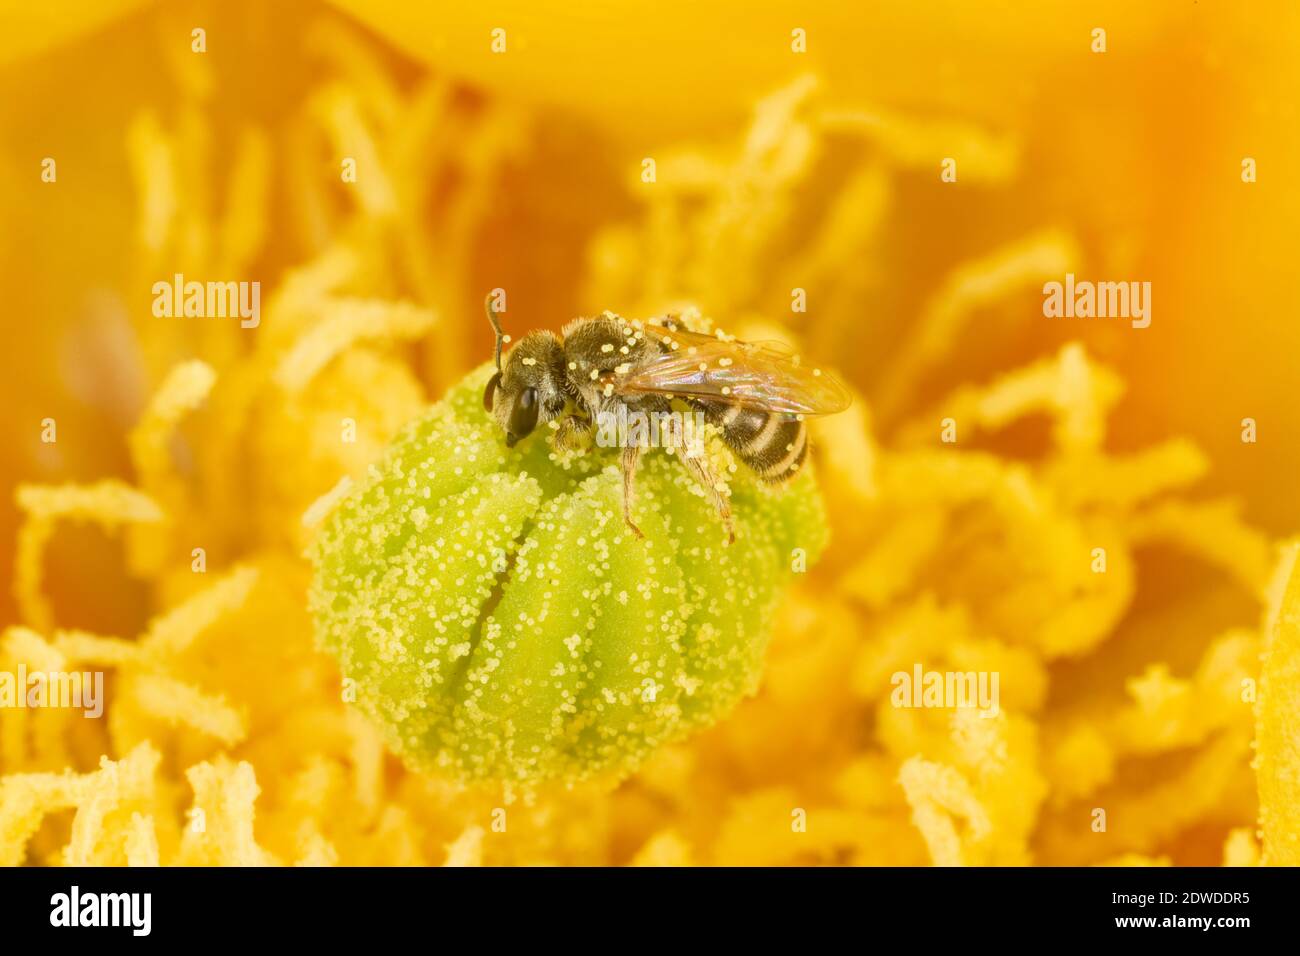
(490, 393)
(523, 417)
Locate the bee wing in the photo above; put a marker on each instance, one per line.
(763, 375)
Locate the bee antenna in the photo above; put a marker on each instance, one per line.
(495, 319)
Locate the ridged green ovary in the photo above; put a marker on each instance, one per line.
(580, 665)
(405, 567)
(502, 623)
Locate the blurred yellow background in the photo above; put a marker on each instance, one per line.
(523, 169)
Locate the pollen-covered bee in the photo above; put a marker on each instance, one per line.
(756, 393)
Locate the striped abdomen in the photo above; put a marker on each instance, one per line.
(773, 444)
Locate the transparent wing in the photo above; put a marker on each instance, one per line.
(765, 375)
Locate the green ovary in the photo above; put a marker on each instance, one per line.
(497, 618)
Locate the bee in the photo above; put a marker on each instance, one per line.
(756, 393)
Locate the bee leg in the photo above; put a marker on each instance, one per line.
(631, 455)
(569, 431)
(698, 465)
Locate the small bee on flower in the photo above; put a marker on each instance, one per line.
(756, 393)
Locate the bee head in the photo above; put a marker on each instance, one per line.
(528, 389)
